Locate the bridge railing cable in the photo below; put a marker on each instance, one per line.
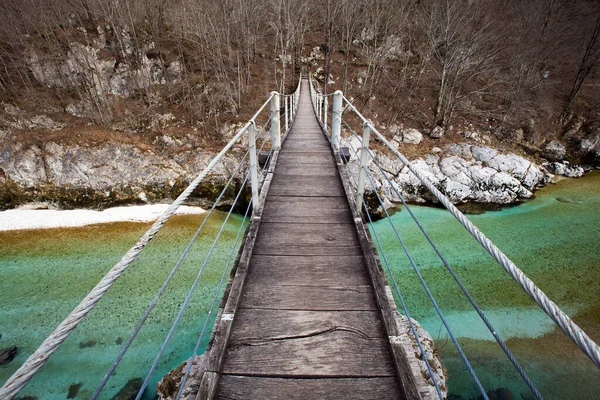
(340, 122)
(446, 264)
(201, 336)
(38, 358)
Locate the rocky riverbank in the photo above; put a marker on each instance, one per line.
(119, 170)
(98, 174)
(466, 173)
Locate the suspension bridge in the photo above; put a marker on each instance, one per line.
(308, 311)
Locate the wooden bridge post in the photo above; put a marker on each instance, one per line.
(275, 127)
(336, 119)
(364, 162)
(253, 164)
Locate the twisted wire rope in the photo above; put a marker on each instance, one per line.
(161, 290)
(572, 330)
(187, 299)
(479, 311)
(462, 354)
(399, 294)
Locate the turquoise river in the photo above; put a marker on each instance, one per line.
(554, 238)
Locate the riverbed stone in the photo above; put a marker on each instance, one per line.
(130, 390)
(465, 173)
(8, 354)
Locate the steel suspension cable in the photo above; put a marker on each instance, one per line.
(161, 290)
(398, 292)
(428, 291)
(479, 311)
(188, 297)
(571, 329)
(192, 289)
(190, 361)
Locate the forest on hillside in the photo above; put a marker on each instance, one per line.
(523, 71)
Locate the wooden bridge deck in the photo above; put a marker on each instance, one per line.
(307, 323)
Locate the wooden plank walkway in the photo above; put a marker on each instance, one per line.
(307, 324)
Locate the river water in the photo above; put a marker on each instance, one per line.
(44, 274)
(554, 238)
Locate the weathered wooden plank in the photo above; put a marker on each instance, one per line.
(309, 136)
(333, 354)
(306, 239)
(315, 210)
(299, 250)
(324, 164)
(301, 185)
(309, 297)
(260, 324)
(316, 270)
(288, 204)
(314, 216)
(321, 145)
(233, 387)
(306, 157)
(385, 301)
(307, 170)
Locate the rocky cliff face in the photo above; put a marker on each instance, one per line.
(104, 63)
(103, 174)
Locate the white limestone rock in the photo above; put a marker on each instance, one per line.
(464, 173)
(436, 132)
(554, 151)
(412, 136)
(564, 169)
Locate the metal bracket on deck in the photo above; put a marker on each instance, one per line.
(227, 317)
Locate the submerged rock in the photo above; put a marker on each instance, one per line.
(130, 390)
(73, 390)
(8, 354)
(499, 394)
(87, 343)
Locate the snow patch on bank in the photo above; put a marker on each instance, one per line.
(25, 218)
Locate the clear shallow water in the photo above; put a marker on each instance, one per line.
(555, 240)
(44, 274)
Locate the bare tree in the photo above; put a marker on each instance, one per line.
(589, 60)
(462, 42)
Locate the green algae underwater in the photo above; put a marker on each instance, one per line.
(555, 240)
(45, 273)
